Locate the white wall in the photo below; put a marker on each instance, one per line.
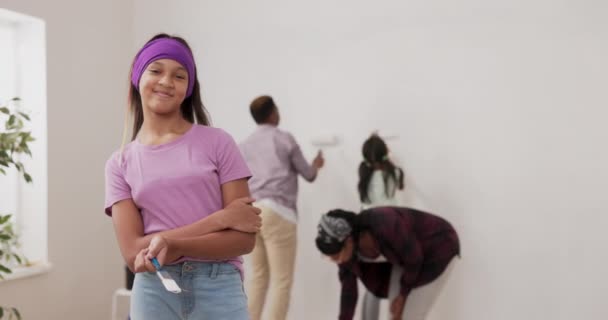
(500, 110)
(89, 47)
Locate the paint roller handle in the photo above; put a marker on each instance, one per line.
(155, 263)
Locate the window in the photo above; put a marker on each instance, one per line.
(8, 183)
(23, 74)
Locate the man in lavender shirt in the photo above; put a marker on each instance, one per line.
(275, 160)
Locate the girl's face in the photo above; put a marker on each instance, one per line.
(345, 254)
(163, 86)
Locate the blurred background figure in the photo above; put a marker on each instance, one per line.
(379, 178)
(402, 254)
(275, 159)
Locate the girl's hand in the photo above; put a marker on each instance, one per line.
(142, 264)
(397, 307)
(161, 249)
(240, 215)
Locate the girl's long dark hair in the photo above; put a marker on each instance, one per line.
(375, 156)
(192, 108)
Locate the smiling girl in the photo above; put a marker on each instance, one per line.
(178, 192)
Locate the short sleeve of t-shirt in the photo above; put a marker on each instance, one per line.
(116, 188)
(230, 162)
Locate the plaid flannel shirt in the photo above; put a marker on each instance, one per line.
(421, 243)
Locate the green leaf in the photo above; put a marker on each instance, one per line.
(16, 99)
(16, 312)
(5, 218)
(27, 177)
(4, 237)
(5, 269)
(4, 110)
(1, 312)
(24, 116)
(17, 258)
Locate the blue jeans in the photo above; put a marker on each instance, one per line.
(212, 291)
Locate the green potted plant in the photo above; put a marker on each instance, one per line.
(9, 257)
(14, 142)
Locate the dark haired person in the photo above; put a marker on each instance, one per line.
(178, 192)
(275, 160)
(401, 254)
(379, 180)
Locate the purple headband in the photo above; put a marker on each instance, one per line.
(164, 48)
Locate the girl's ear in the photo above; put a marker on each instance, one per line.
(350, 244)
(350, 240)
(349, 247)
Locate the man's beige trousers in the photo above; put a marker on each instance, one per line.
(272, 263)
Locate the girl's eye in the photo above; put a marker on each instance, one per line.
(181, 77)
(154, 71)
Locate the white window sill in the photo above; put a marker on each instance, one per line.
(33, 270)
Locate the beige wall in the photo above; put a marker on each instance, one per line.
(89, 47)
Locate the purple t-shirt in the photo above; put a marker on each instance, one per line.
(176, 183)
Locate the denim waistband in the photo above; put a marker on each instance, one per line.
(200, 267)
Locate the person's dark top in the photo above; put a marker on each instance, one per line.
(421, 243)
